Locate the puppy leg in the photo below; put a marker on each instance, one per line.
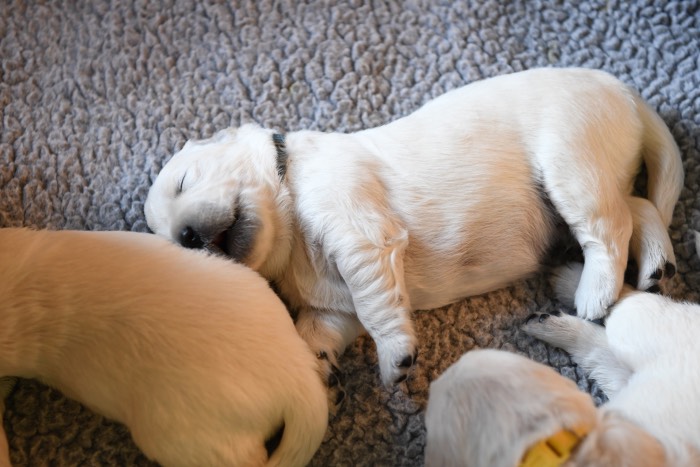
(375, 277)
(650, 244)
(587, 344)
(328, 333)
(590, 202)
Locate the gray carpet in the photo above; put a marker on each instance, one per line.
(95, 96)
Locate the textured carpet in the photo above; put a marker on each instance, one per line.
(95, 96)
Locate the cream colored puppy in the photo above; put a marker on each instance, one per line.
(496, 408)
(644, 359)
(459, 198)
(193, 353)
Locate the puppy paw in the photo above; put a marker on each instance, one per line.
(597, 291)
(397, 355)
(593, 306)
(334, 383)
(652, 274)
(548, 326)
(564, 331)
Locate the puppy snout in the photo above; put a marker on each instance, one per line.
(189, 238)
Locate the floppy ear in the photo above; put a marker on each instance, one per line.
(224, 135)
(491, 406)
(620, 442)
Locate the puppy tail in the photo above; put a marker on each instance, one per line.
(6, 385)
(565, 281)
(303, 429)
(663, 161)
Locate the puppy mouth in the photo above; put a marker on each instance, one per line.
(237, 240)
(220, 243)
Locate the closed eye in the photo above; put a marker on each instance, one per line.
(180, 184)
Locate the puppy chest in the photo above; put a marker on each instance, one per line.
(317, 284)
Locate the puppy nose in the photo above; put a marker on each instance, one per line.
(190, 239)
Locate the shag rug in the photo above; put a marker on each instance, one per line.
(96, 95)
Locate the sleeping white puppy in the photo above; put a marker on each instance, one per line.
(496, 408)
(459, 198)
(193, 353)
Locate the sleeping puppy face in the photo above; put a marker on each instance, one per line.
(222, 194)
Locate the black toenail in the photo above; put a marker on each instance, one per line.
(654, 289)
(543, 317)
(530, 317)
(322, 355)
(657, 274)
(555, 313)
(670, 270)
(340, 397)
(406, 362)
(332, 380)
(599, 321)
(401, 379)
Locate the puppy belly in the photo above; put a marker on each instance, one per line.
(429, 291)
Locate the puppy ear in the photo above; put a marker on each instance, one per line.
(618, 441)
(224, 135)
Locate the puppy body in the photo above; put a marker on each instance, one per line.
(644, 360)
(194, 354)
(491, 407)
(457, 199)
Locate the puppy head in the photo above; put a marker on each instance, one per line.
(491, 406)
(223, 194)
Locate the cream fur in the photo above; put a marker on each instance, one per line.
(194, 354)
(491, 406)
(450, 201)
(643, 360)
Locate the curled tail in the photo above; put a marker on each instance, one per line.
(7, 383)
(663, 161)
(304, 426)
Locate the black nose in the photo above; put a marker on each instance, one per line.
(190, 239)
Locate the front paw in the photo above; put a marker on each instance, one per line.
(397, 355)
(592, 302)
(541, 325)
(332, 376)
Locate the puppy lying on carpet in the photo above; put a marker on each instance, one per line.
(496, 408)
(457, 199)
(193, 353)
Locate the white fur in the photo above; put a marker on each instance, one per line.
(645, 359)
(491, 406)
(193, 353)
(442, 204)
